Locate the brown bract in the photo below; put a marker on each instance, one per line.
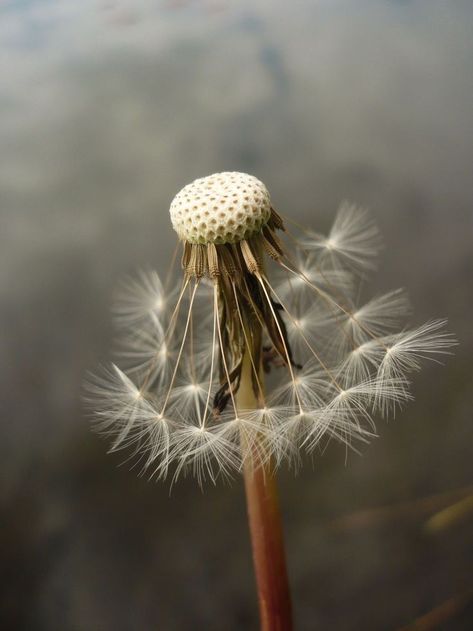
(246, 309)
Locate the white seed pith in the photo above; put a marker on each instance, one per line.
(220, 208)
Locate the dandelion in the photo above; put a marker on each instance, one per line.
(261, 355)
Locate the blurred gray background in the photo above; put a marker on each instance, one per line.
(107, 108)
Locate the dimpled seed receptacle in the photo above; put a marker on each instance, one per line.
(220, 208)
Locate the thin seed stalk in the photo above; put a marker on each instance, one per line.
(267, 540)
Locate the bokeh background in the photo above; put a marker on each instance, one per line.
(107, 108)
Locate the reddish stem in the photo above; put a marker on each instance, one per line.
(268, 549)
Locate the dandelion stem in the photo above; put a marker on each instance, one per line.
(266, 531)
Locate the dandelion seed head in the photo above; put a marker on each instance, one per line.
(220, 208)
(196, 358)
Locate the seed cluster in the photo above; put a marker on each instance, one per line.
(221, 208)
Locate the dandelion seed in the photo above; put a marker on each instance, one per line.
(354, 240)
(192, 397)
(142, 304)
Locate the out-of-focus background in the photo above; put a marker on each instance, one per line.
(107, 108)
